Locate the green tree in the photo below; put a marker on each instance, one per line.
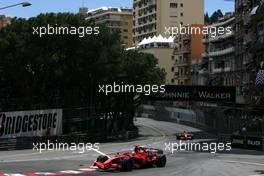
(207, 18)
(65, 70)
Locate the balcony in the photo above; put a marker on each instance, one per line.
(185, 37)
(221, 37)
(221, 52)
(182, 77)
(218, 70)
(205, 54)
(203, 71)
(182, 50)
(227, 69)
(185, 50)
(182, 64)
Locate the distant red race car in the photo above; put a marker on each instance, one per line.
(141, 157)
(184, 136)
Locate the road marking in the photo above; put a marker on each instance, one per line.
(70, 172)
(44, 173)
(66, 172)
(87, 169)
(240, 162)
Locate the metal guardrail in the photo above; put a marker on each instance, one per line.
(8, 144)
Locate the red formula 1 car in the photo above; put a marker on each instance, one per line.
(184, 136)
(141, 157)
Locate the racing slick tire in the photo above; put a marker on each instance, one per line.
(102, 158)
(127, 164)
(160, 152)
(161, 161)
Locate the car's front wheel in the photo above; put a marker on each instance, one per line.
(161, 160)
(102, 158)
(127, 164)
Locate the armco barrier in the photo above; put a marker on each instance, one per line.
(247, 142)
(8, 144)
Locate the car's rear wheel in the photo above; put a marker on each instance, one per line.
(160, 152)
(161, 161)
(101, 158)
(127, 164)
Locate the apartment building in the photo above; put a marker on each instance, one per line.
(189, 51)
(153, 17)
(4, 21)
(117, 19)
(249, 48)
(217, 66)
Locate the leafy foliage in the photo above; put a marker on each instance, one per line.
(214, 17)
(65, 70)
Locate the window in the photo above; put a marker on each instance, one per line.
(173, 5)
(172, 80)
(125, 30)
(125, 37)
(181, 14)
(181, 4)
(172, 57)
(172, 69)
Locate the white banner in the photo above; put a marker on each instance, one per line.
(31, 123)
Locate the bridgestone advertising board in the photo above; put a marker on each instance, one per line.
(31, 123)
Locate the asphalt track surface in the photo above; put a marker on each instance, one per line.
(153, 134)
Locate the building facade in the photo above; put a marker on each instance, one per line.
(249, 49)
(217, 67)
(189, 51)
(4, 21)
(117, 19)
(153, 17)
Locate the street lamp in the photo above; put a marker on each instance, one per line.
(23, 4)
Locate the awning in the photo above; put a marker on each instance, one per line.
(156, 39)
(254, 10)
(219, 61)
